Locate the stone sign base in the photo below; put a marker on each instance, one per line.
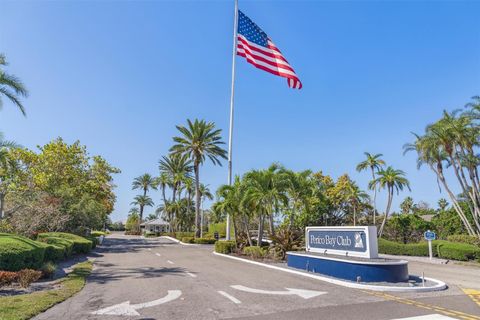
(350, 268)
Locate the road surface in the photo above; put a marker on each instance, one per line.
(136, 278)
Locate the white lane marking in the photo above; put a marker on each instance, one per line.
(158, 254)
(171, 262)
(230, 297)
(427, 317)
(191, 274)
(127, 309)
(149, 249)
(305, 294)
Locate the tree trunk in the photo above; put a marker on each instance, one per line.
(354, 216)
(260, 230)
(374, 199)
(196, 168)
(387, 211)
(141, 213)
(272, 226)
(2, 205)
(245, 222)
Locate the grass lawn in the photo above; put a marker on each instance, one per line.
(28, 305)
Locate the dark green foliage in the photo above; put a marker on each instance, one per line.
(255, 252)
(411, 249)
(223, 246)
(464, 238)
(205, 240)
(286, 240)
(406, 228)
(18, 253)
(188, 239)
(54, 252)
(80, 244)
(59, 242)
(458, 251)
(447, 222)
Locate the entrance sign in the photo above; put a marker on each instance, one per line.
(346, 241)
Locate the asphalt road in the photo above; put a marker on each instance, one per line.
(137, 278)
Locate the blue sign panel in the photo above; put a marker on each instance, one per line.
(338, 240)
(430, 235)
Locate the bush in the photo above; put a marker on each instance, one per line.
(180, 235)
(7, 278)
(220, 227)
(80, 244)
(205, 241)
(150, 234)
(225, 246)
(59, 242)
(411, 249)
(458, 251)
(94, 240)
(463, 238)
(48, 270)
(188, 240)
(54, 252)
(18, 253)
(26, 276)
(255, 252)
(97, 233)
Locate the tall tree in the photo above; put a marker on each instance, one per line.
(8, 166)
(199, 140)
(375, 163)
(11, 87)
(176, 167)
(392, 180)
(144, 182)
(142, 202)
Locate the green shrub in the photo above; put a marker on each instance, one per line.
(18, 253)
(180, 235)
(48, 270)
(59, 242)
(80, 244)
(224, 246)
(98, 233)
(220, 227)
(188, 240)
(255, 252)
(149, 234)
(26, 276)
(94, 240)
(411, 249)
(7, 278)
(458, 251)
(54, 252)
(463, 238)
(205, 241)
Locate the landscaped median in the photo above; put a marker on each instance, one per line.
(25, 306)
(24, 261)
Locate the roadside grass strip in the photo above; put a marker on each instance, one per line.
(440, 285)
(445, 311)
(473, 294)
(26, 306)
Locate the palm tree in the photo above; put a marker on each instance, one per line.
(299, 188)
(144, 182)
(442, 204)
(355, 197)
(11, 87)
(142, 202)
(163, 181)
(229, 202)
(204, 194)
(176, 167)
(373, 162)
(199, 140)
(392, 180)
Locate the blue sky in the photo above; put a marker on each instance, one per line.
(119, 76)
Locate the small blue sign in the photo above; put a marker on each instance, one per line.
(429, 235)
(337, 240)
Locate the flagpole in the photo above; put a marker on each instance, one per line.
(230, 131)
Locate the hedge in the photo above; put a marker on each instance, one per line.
(98, 233)
(60, 242)
(205, 240)
(458, 251)
(440, 248)
(188, 240)
(80, 244)
(225, 246)
(463, 238)
(255, 252)
(17, 252)
(180, 235)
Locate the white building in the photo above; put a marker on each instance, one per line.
(157, 225)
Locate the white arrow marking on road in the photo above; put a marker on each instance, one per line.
(158, 254)
(305, 294)
(127, 309)
(191, 274)
(169, 261)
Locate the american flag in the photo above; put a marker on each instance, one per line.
(254, 45)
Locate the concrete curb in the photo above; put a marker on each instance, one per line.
(178, 241)
(440, 285)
